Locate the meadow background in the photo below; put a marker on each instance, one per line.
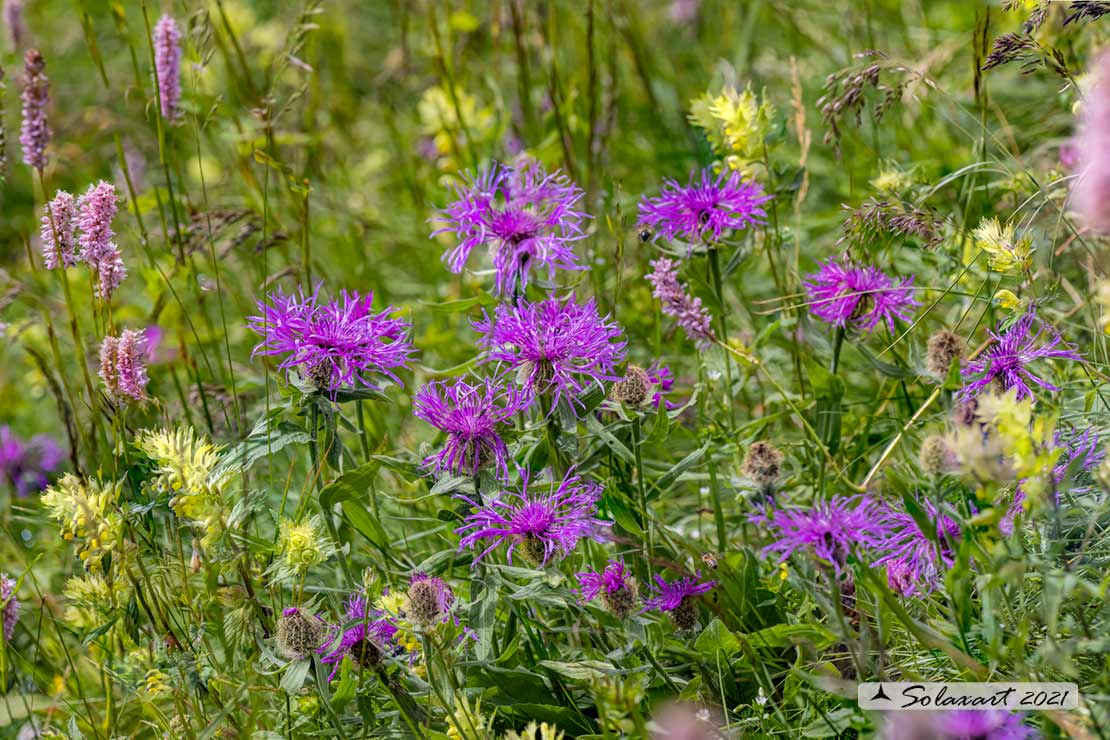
(316, 143)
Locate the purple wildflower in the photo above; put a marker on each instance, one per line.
(95, 211)
(35, 131)
(167, 63)
(980, 724)
(689, 312)
(662, 381)
(829, 529)
(525, 216)
(60, 220)
(13, 19)
(556, 346)
(429, 599)
(684, 12)
(858, 296)
(1081, 454)
(335, 344)
(541, 519)
(913, 562)
(26, 466)
(123, 366)
(1005, 362)
(11, 605)
(703, 211)
(1091, 192)
(677, 598)
(615, 584)
(470, 415)
(366, 637)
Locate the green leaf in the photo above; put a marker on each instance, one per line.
(665, 481)
(295, 674)
(785, 635)
(886, 368)
(582, 670)
(716, 637)
(618, 448)
(354, 484)
(270, 434)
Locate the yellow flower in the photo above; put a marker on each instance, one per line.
(86, 510)
(736, 124)
(546, 732)
(1102, 298)
(1007, 299)
(187, 471)
(1006, 253)
(892, 180)
(440, 120)
(302, 545)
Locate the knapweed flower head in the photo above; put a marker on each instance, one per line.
(763, 463)
(301, 545)
(678, 598)
(26, 465)
(677, 302)
(167, 64)
(123, 366)
(1005, 363)
(633, 388)
(10, 605)
(87, 510)
(298, 634)
(705, 209)
(943, 349)
(1091, 191)
(915, 561)
(858, 297)
(662, 382)
(525, 217)
(429, 600)
(59, 232)
(540, 520)
(35, 132)
(830, 529)
(615, 584)
(989, 724)
(1007, 253)
(95, 211)
(365, 636)
(470, 414)
(736, 123)
(557, 347)
(334, 345)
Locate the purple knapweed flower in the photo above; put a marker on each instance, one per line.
(1091, 191)
(26, 466)
(615, 585)
(167, 63)
(677, 598)
(1004, 364)
(703, 211)
(688, 310)
(1081, 454)
(429, 600)
(526, 217)
(858, 296)
(470, 414)
(11, 605)
(983, 724)
(557, 347)
(662, 381)
(829, 529)
(35, 132)
(95, 211)
(58, 232)
(541, 519)
(123, 366)
(913, 561)
(365, 635)
(336, 344)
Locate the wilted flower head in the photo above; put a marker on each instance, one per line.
(298, 635)
(25, 466)
(763, 463)
(35, 131)
(914, 560)
(95, 211)
(943, 349)
(704, 211)
(829, 529)
(525, 216)
(675, 301)
(556, 346)
(301, 546)
(60, 220)
(633, 388)
(858, 296)
(123, 366)
(542, 520)
(429, 600)
(677, 598)
(167, 63)
(87, 510)
(1091, 192)
(365, 641)
(1005, 363)
(1007, 253)
(336, 344)
(470, 414)
(937, 456)
(615, 584)
(10, 605)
